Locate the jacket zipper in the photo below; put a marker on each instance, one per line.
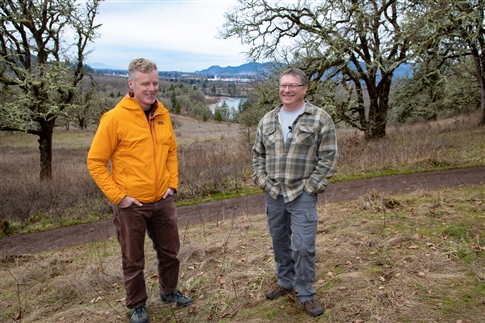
(154, 142)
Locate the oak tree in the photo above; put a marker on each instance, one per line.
(43, 44)
(454, 33)
(355, 44)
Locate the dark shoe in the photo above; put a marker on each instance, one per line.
(279, 291)
(178, 298)
(139, 315)
(313, 308)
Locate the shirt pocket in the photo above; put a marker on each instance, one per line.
(305, 136)
(269, 137)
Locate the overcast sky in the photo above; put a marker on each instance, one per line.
(178, 35)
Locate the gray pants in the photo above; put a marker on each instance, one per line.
(293, 228)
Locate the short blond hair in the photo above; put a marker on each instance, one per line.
(142, 65)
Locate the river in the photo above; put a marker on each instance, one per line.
(231, 103)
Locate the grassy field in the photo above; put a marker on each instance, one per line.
(421, 261)
(214, 163)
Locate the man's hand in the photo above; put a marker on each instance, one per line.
(169, 191)
(127, 201)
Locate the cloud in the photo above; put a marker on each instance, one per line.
(177, 35)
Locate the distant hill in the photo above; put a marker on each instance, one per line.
(249, 70)
(252, 69)
(101, 66)
(404, 70)
(255, 69)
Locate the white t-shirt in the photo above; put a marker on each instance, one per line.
(287, 118)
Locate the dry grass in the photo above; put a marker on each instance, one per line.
(210, 161)
(189, 131)
(418, 257)
(214, 162)
(413, 147)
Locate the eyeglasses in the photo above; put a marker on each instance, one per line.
(291, 86)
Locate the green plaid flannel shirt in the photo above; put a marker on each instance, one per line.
(307, 160)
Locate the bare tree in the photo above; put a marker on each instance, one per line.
(360, 44)
(88, 103)
(43, 44)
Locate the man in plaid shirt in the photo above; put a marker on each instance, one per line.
(294, 155)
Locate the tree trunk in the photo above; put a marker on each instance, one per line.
(478, 55)
(45, 147)
(378, 106)
(480, 70)
(482, 106)
(376, 128)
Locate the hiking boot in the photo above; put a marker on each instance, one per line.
(278, 291)
(139, 315)
(313, 308)
(178, 298)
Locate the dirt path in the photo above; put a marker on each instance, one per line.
(336, 192)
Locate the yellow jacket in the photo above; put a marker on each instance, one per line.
(143, 153)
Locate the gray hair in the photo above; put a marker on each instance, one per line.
(296, 72)
(142, 65)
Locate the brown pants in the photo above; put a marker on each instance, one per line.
(159, 220)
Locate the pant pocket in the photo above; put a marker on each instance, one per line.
(311, 216)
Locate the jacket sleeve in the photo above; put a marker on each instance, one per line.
(172, 163)
(104, 144)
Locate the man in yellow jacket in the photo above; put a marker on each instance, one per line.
(137, 136)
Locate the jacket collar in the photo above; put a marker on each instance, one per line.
(131, 104)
